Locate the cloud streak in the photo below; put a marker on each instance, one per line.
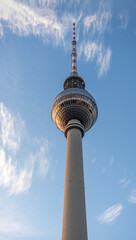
(93, 160)
(95, 26)
(132, 197)
(123, 18)
(13, 177)
(97, 23)
(11, 128)
(16, 180)
(40, 156)
(23, 20)
(111, 214)
(11, 131)
(93, 50)
(124, 182)
(112, 160)
(43, 19)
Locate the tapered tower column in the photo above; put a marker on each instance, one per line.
(74, 213)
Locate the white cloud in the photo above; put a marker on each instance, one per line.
(49, 2)
(98, 22)
(23, 20)
(42, 3)
(1, 30)
(38, 18)
(123, 18)
(111, 214)
(16, 180)
(11, 128)
(89, 20)
(112, 160)
(13, 177)
(103, 60)
(93, 50)
(43, 18)
(124, 182)
(40, 156)
(132, 197)
(95, 25)
(43, 165)
(93, 160)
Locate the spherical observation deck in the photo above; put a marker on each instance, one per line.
(74, 103)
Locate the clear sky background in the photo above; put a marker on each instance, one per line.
(35, 59)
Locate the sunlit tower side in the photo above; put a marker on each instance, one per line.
(74, 111)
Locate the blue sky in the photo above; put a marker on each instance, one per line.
(35, 59)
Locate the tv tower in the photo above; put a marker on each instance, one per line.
(74, 111)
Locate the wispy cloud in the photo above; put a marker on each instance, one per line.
(124, 182)
(16, 180)
(112, 160)
(11, 128)
(46, 19)
(97, 23)
(93, 50)
(13, 177)
(42, 3)
(23, 20)
(1, 30)
(111, 214)
(123, 18)
(93, 160)
(103, 170)
(40, 156)
(11, 131)
(132, 197)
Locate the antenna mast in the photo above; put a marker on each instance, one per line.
(74, 55)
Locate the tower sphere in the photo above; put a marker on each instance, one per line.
(74, 103)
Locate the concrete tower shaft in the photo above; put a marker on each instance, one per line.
(74, 225)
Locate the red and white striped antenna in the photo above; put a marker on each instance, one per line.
(74, 55)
